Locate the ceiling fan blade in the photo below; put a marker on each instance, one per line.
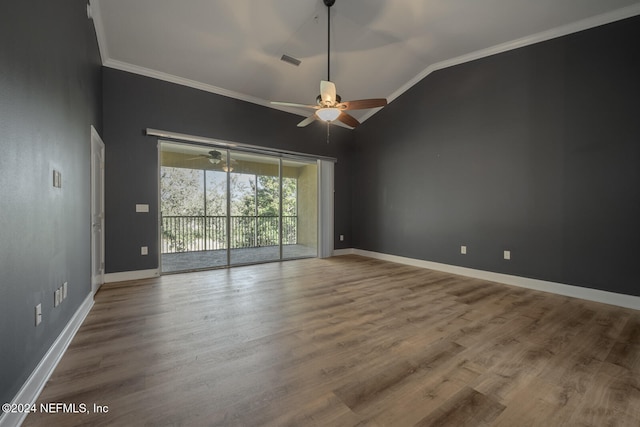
(328, 91)
(307, 121)
(362, 104)
(293, 104)
(348, 119)
(200, 156)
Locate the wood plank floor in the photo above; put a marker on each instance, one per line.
(346, 341)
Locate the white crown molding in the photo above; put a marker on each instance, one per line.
(585, 24)
(605, 297)
(135, 69)
(32, 388)
(96, 17)
(107, 61)
(159, 75)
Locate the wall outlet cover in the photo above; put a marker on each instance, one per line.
(38, 314)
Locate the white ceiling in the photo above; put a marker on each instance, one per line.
(379, 48)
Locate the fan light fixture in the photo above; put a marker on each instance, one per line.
(329, 106)
(328, 114)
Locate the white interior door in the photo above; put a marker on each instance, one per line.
(97, 211)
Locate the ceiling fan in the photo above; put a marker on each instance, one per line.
(329, 105)
(215, 158)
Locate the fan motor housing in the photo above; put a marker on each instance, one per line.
(329, 3)
(319, 99)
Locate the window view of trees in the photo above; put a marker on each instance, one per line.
(194, 208)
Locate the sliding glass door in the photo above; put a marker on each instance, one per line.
(299, 209)
(193, 202)
(222, 207)
(255, 208)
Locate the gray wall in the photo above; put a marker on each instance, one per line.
(535, 150)
(133, 103)
(50, 94)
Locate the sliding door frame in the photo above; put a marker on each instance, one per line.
(325, 190)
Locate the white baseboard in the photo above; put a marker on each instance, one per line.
(131, 275)
(621, 300)
(35, 383)
(338, 252)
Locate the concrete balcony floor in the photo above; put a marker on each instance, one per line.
(199, 260)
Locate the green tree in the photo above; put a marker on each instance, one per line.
(183, 195)
(181, 191)
(265, 200)
(267, 197)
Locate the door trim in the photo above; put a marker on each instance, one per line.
(97, 145)
(326, 193)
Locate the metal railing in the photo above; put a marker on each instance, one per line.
(205, 233)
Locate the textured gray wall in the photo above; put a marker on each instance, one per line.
(535, 150)
(133, 103)
(50, 94)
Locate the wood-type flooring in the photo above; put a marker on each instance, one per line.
(345, 341)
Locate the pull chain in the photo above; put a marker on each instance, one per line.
(328, 133)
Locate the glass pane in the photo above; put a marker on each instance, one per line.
(193, 208)
(299, 209)
(259, 215)
(255, 208)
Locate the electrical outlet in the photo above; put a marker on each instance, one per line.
(38, 314)
(57, 179)
(463, 250)
(507, 254)
(144, 250)
(56, 298)
(64, 291)
(342, 237)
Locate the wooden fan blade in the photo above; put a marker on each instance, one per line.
(348, 119)
(362, 104)
(293, 104)
(200, 156)
(307, 121)
(327, 91)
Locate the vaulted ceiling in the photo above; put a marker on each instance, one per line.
(379, 48)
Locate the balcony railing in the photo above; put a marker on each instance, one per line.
(205, 233)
